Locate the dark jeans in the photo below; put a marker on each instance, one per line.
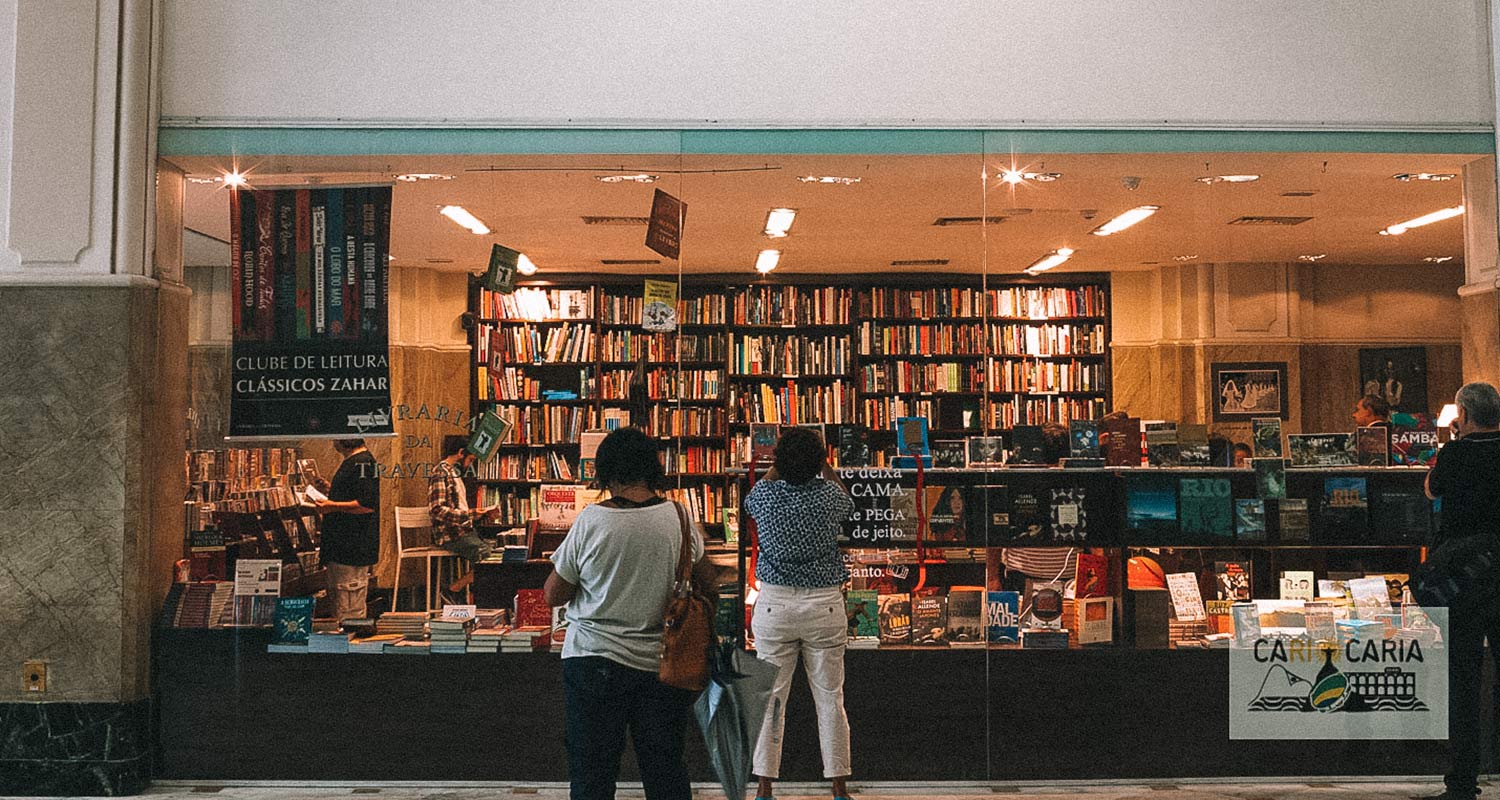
(1467, 628)
(604, 701)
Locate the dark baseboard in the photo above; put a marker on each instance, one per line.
(95, 749)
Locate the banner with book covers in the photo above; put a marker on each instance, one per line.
(311, 283)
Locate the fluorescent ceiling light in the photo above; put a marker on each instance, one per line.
(1438, 259)
(1016, 176)
(413, 177)
(779, 221)
(1185, 258)
(464, 219)
(524, 265)
(1052, 259)
(234, 180)
(1125, 220)
(1229, 179)
(835, 179)
(1424, 176)
(640, 177)
(1426, 219)
(1314, 257)
(1448, 416)
(767, 261)
(215, 179)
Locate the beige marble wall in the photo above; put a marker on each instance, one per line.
(1480, 312)
(88, 395)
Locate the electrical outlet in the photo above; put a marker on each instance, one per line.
(34, 676)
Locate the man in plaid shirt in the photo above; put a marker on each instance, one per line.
(448, 505)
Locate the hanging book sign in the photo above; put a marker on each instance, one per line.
(501, 276)
(664, 232)
(490, 429)
(659, 312)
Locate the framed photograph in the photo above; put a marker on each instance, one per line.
(1246, 389)
(1398, 374)
(985, 451)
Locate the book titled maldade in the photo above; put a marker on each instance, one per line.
(966, 616)
(1002, 617)
(862, 610)
(929, 620)
(1265, 437)
(1070, 522)
(1205, 508)
(895, 618)
(1372, 446)
(1083, 438)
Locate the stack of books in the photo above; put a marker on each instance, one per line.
(485, 640)
(450, 635)
(408, 647)
(374, 644)
(514, 554)
(864, 642)
(410, 624)
(491, 618)
(1187, 633)
(526, 639)
(327, 642)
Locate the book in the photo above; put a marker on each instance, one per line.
(854, 446)
(557, 507)
(995, 514)
(1044, 639)
(862, 610)
(1270, 477)
(1030, 518)
(1091, 576)
(985, 451)
(1083, 438)
(947, 513)
(1371, 596)
(1334, 589)
(929, 620)
(949, 454)
(588, 443)
(292, 621)
(1151, 506)
(1068, 462)
(966, 616)
(1153, 611)
(1205, 508)
(1265, 437)
(1414, 440)
(559, 628)
(1396, 584)
(1321, 449)
(1372, 446)
(1233, 580)
(1250, 519)
(1121, 438)
(1187, 600)
(1028, 445)
(1404, 516)
(1002, 617)
(1161, 444)
(1192, 446)
(895, 618)
(1044, 607)
(1292, 516)
(532, 609)
(1094, 620)
(1342, 514)
(1070, 520)
(763, 442)
(911, 436)
(1299, 585)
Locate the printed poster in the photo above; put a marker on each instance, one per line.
(659, 315)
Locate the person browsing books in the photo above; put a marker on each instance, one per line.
(798, 508)
(448, 505)
(1372, 410)
(615, 572)
(1466, 478)
(350, 542)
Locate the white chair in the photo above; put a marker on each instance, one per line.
(414, 540)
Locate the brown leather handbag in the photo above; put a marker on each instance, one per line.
(687, 628)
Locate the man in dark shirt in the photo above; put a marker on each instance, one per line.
(1466, 480)
(1372, 410)
(351, 527)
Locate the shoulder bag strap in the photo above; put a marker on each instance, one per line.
(683, 586)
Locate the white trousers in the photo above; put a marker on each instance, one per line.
(789, 622)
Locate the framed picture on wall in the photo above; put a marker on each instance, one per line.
(1246, 389)
(1398, 374)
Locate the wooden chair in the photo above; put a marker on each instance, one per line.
(414, 540)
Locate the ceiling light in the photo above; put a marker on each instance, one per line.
(464, 219)
(1052, 259)
(779, 221)
(1448, 416)
(767, 261)
(1438, 259)
(1424, 176)
(640, 177)
(1426, 219)
(215, 179)
(828, 179)
(1229, 178)
(1317, 257)
(1015, 176)
(1185, 258)
(1125, 220)
(413, 177)
(234, 180)
(524, 265)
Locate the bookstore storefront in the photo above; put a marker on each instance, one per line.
(1104, 402)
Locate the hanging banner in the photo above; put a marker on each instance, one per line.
(664, 231)
(310, 277)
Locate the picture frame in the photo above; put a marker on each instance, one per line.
(1242, 390)
(1397, 374)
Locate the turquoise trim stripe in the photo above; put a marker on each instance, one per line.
(448, 141)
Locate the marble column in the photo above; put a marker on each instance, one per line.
(1479, 299)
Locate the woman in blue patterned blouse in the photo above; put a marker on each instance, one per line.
(798, 508)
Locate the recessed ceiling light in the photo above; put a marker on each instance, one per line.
(640, 177)
(1316, 257)
(1424, 176)
(1185, 258)
(196, 179)
(1125, 220)
(767, 261)
(1426, 219)
(524, 265)
(413, 177)
(234, 180)
(834, 179)
(1438, 259)
(779, 221)
(464, 219)
(1228, 179)
(1052, 259)
(1015, 176)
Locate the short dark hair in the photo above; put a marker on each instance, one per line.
(348, 444)
(1377, 405)
(1241, 447)
(629, 456)
(453, 443)
(800, 455)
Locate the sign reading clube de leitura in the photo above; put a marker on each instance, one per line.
(311, 282)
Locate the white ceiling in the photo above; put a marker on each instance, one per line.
(534, 204)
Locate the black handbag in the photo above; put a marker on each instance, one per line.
(1459, 571)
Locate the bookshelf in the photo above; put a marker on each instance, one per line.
(974, 356)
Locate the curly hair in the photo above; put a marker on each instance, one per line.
(800, 454)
